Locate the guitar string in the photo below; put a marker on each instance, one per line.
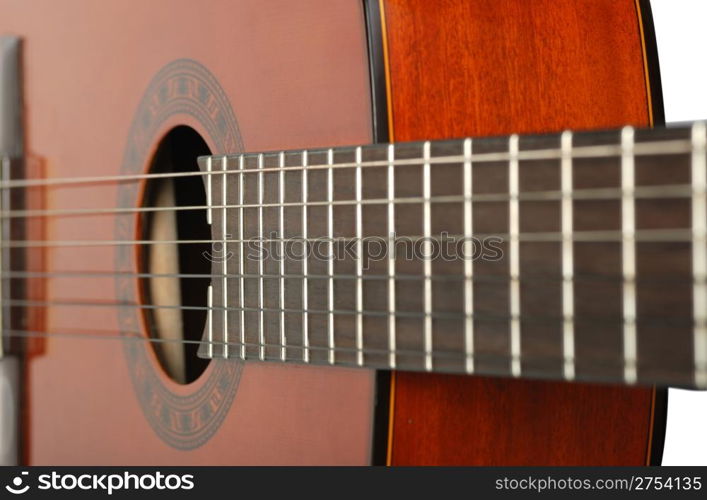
(528, 278)
(663, 147)
(677, 235)
(130, 336)
(647, 320)
(589, 194)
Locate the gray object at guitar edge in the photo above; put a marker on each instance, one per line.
(11, 145)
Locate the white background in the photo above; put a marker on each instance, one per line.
(681, 31)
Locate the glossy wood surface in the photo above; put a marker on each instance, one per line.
(486, 67)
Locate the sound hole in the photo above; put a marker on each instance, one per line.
(170, 283)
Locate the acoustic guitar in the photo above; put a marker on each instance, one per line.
(344, 232)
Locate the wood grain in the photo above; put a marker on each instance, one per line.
(487, 67)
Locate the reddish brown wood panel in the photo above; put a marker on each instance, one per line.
(445, 420)
(487, 67)
(296, 76)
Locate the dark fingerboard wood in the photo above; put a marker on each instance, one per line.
(567, 256)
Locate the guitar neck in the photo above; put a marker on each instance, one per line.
(577, 256)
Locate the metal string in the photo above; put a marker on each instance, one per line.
(644, 235)
(650, 321)
(130, 336)
(667, 147)
(590, 194)
(530, 277)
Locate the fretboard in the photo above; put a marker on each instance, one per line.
(576, 256)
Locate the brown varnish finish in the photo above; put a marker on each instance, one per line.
(486, 67)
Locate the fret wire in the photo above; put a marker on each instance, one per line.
(567, 257)
(359, 259)
(261, 299)
(514, 253)
(224, 229)
(392, 340)
(699, 252)
(427, 252)
(209, 292)
(210, 319)
(208, 190)
(650, 192)
(468, 261)
(667, 147)
(628, 248)
(305, 296)
(241, 256)
(330, 262)
(281, 186)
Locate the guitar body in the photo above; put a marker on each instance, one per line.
(95, 70)
(105, 86)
